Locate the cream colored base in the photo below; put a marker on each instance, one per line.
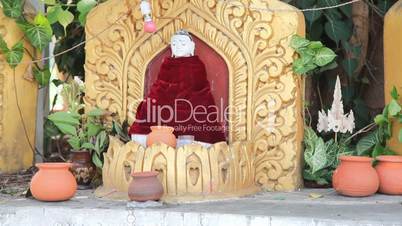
(191, 172)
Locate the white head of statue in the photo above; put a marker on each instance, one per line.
(182, 44)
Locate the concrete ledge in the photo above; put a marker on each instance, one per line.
(268, 209)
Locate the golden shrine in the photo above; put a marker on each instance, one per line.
(264, 147)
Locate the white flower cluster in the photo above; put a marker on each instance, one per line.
(336, 120)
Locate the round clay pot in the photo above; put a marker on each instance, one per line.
(355, 177)
(53, 182)
(83, 168)
(389, 171)
(162, 134)
(145, 186)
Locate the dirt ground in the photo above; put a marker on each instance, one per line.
(16, 184)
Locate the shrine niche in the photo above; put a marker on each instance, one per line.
(265, 125)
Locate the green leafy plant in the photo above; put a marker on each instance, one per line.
(313, 56)
(40, 30)
(321, 157)
(85, 132)
(374, 143)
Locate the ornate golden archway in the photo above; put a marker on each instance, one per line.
(253, 41)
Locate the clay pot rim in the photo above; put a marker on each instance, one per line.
(168, 128)
(355, 158)
(145, 174)
(390, 158)
(53, 165)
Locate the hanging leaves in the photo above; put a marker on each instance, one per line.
(42, 76)
(65, 18)
(84, 7)
(12, 8)
(39, 33)
(14, 55)
(313, 54)
(338, 30)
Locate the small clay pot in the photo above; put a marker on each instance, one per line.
(389, 171)
(355, 177)
(83, 168)
(145, 186)
(53, 182)
(162, 134)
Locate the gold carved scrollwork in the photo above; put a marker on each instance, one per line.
(264, 94)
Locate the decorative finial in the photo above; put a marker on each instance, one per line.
(336, 120)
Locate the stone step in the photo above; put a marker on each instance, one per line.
(304, 208)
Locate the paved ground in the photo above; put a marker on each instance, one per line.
(307, 207)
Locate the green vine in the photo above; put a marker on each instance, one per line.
(40, 30)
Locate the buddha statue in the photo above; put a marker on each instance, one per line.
(181, 97)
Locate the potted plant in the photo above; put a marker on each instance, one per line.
(88, 139)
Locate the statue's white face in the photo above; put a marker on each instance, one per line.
(182, 46)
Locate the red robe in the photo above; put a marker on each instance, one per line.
(180, 90)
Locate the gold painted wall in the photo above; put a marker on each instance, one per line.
(15, 152)
(392, 62)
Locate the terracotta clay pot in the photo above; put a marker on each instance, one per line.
(355, 176)
(53, 182)
(163, 134)
(389, 171)
(145, 186)
(83, 168)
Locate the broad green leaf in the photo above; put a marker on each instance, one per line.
(66, 128)
(74, 143)
(338, 30)
(324, 56)
(95, 159)
(306, 54)
(315, 45)
(84, 7)
(319, 158)
(298, 42)
(394, 94)
(88, 146)
(65, 18)
(53, 13)
(12, 8)
(384, 5)
(350, 65)
(42, 76)
(15, 55)
(93, 129)
(42, 21)
(380, 120)
(366, 143)
(346, 10)
(394, 108)
(334, 14)
(38, 35)
(378, 150)
(3, 45)
(64, 117)
(300, 68)
(50, 129)
(312, 16)
(315, 31)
